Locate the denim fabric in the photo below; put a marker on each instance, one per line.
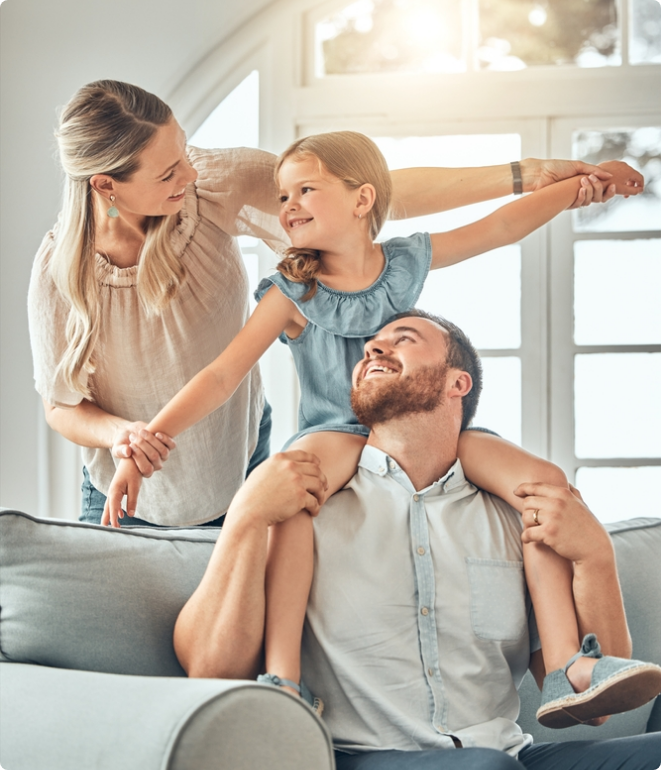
(93, 501)
(402, 578)
(338, 325)
(639, 752)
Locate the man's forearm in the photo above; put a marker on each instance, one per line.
(219, 631)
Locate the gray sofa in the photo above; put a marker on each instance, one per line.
(89, 679)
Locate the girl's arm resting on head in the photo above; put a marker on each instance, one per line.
(515, 220)
(90, 426)
(421, 191)
(208, 390)
(499, 467)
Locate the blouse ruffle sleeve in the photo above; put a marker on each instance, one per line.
(236, 191)
(47, 318)
(362, 313)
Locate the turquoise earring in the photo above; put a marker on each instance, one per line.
(112, 211)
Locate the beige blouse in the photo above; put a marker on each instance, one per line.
(143, 361)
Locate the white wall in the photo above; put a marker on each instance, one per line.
(49, 48)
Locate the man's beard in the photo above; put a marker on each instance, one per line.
(377, 402)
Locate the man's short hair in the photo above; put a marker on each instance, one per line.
(460, 355)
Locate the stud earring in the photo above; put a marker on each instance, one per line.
(112, 211)
(360, 216)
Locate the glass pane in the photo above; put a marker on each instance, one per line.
(454, 152)
(482, 296)
(640, 148)
(617, 405)
(500, 402)
(616, 292)
(614, 494)
(371, 36)
(235, 121)
(645, 32)
(515, 34)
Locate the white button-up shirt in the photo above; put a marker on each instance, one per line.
(417, 627)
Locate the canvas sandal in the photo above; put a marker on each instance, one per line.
(316, 704)
(616, 685)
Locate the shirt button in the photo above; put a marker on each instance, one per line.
(416, 497)
(392, 465)
(424, 611)
(421, 551)
(430, 672)
(382, 469)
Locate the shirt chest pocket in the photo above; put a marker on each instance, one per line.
(497, 599)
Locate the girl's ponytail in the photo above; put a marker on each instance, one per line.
(302, 266)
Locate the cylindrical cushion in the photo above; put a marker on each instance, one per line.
(77, 720)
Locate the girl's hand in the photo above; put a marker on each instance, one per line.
(148, 450)
(627, 181)
(126, 481)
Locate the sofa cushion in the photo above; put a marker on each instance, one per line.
(82, 596)
(638, 551)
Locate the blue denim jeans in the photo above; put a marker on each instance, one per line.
(93, 501)
(638, 752)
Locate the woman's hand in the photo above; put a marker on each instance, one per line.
(126, 481)
(597, 186)
(148, 450)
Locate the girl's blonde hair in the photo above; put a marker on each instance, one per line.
(355, 160)
(103, 130)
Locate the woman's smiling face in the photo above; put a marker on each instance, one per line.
(157, 188)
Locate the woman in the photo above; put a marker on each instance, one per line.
(141, 284)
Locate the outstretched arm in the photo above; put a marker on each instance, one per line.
(208, 390)
(514, 221)
(421, 191)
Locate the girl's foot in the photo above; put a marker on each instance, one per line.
(596, 689)
(316, 704)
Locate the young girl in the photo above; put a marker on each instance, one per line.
(334, 290)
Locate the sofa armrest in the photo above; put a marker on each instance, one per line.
(73, 720)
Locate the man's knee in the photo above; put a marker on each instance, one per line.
(490, 759)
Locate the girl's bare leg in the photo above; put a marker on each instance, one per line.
(498, 467)
(291, 556)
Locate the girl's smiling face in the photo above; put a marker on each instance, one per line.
(316, 208)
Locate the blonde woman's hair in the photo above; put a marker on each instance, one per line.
(103, 130)
(355, 160)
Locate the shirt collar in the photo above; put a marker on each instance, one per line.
(378, 462)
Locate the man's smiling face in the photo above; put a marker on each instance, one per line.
(404, 371)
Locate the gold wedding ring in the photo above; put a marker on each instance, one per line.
(535, 516)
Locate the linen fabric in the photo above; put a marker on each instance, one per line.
(419, 623)
(142, 361)
(339, 323)
(80, 596)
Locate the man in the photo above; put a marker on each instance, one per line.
(417, 623)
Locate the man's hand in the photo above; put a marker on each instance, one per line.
(148, 450)
(280, 487)
(126, 481)
(563, 522)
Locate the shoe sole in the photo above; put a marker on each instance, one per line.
(623, 692)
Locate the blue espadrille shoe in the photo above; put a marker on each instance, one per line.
(617, 685)
(316, 704)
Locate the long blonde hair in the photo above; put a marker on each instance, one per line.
(355, 160)
(103, 130)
